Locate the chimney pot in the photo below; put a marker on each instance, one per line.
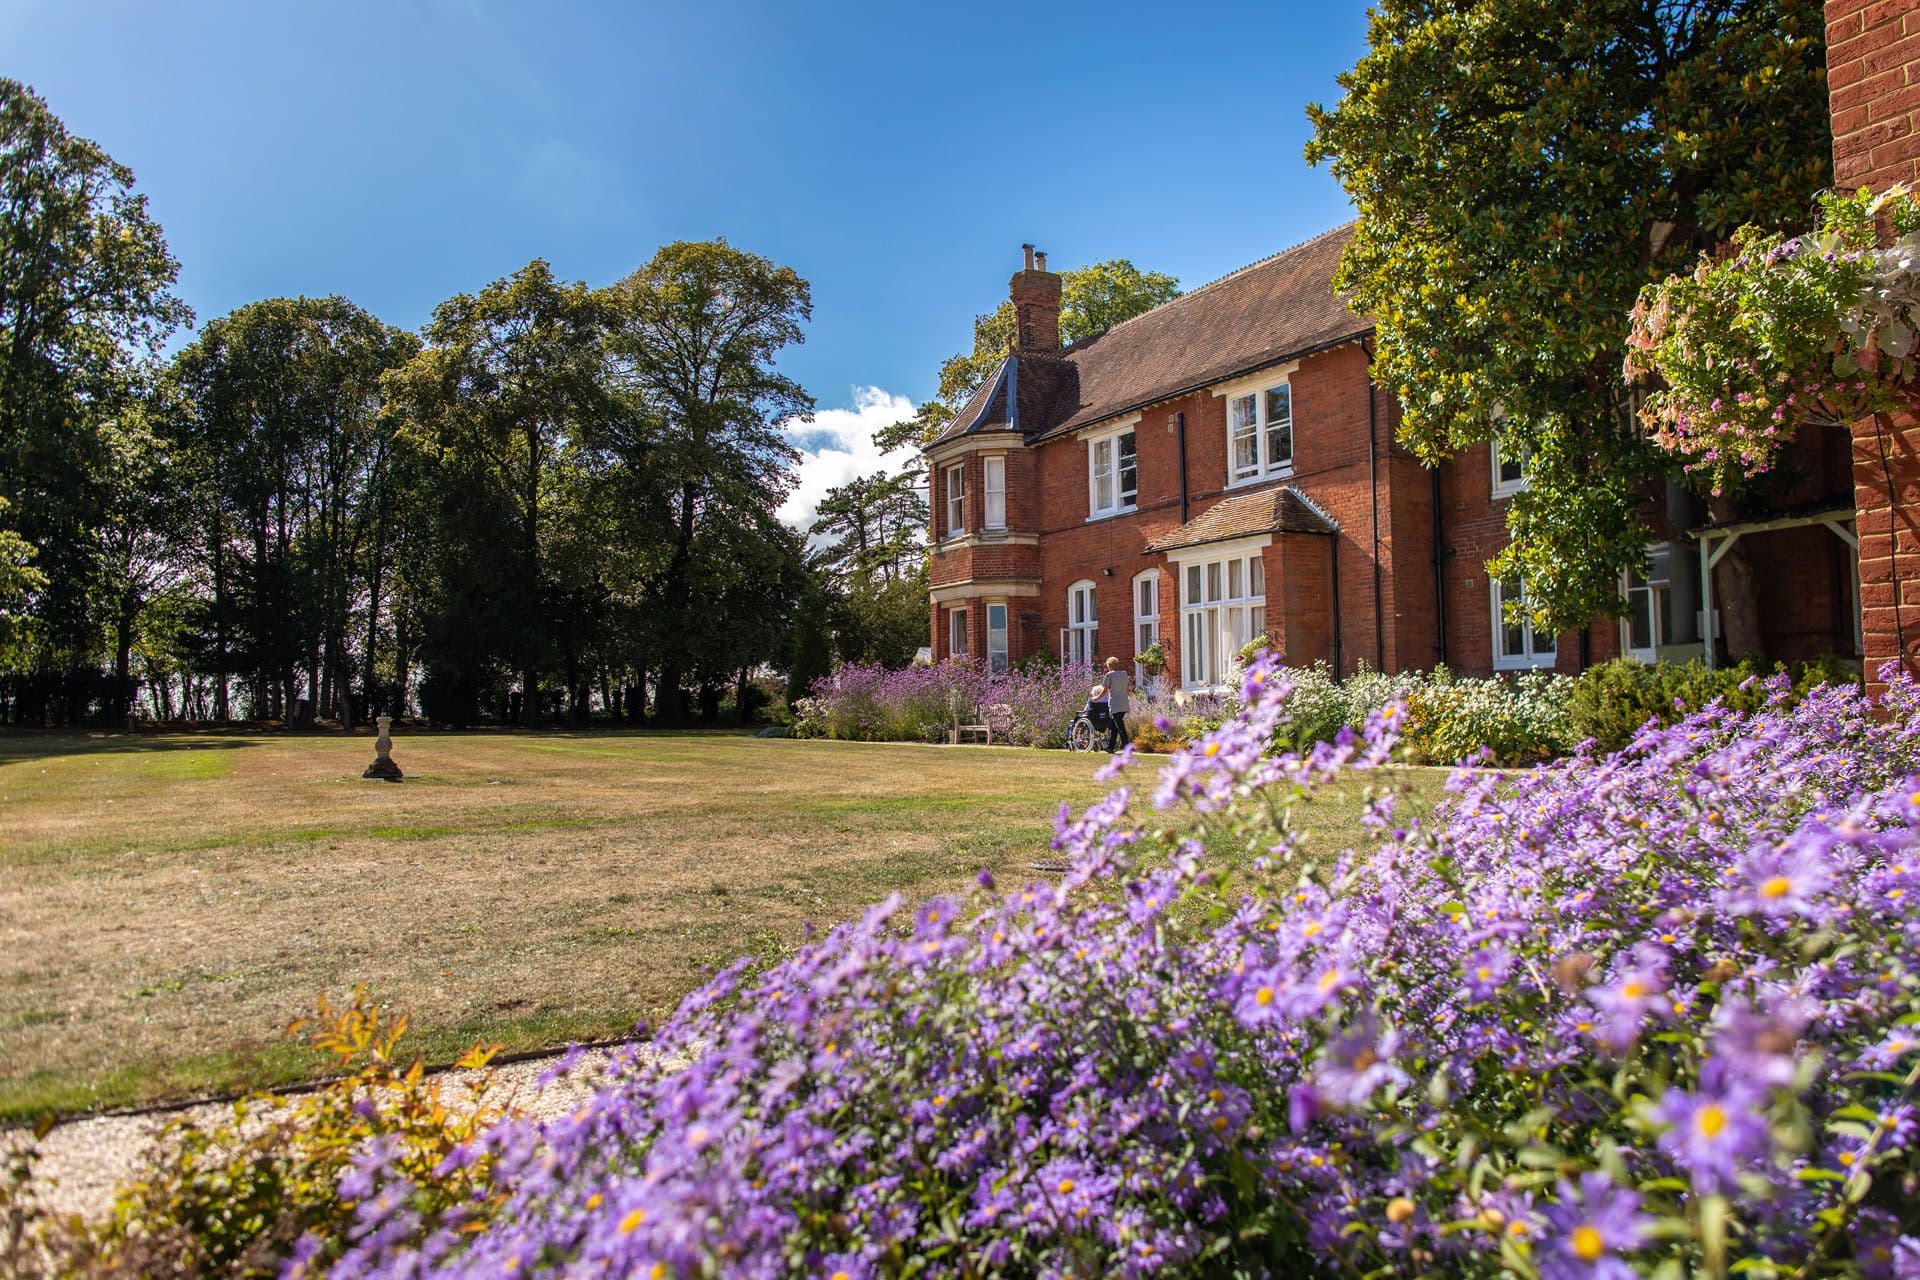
(1041, 260)
(1027, 249)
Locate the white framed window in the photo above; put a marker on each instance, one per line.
(1146, 617)
(993, 487)
(1113, 473)
(957, 632)
(1260, 434)
(1663, 602)
(956, 490)
(996, 639)
(1517, 646)
(1223, 605)
(1080, 638)
(1509, 467)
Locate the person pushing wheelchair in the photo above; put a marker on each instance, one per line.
(1115, 683)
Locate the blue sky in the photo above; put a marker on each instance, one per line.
(398, 151)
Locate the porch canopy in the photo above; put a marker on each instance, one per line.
(1718, 538)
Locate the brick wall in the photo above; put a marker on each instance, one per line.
(1873, 83)
(1873, 79)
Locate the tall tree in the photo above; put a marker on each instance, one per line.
(1093, 299)
(872, 526)
(694, 335)
(1521, 169)
(85, 293)
(497, 397)
(277, 413)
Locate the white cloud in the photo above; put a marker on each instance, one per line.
(838, 445)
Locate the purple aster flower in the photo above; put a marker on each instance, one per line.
(1357, 1064)
(1589, 1231)
(1783, 880)
(1487, 968)
(1713, 1137)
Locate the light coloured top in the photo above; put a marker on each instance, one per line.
(1117, 683)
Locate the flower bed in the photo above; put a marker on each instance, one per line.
(913, 704)
(1610, 1015)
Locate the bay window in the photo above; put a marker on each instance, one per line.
(993, 487)
(957, 632)
(1517, 646)
(1260, 434)
(956, 483)
(1113, 473)
(1223, 605)
(996, 639)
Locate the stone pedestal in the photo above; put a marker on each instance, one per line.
(383, 766)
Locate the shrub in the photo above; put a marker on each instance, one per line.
(1610, 702)
(286, 1180)
(1649, 1013)
(1519, 719)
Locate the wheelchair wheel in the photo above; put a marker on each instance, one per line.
(1080, 734)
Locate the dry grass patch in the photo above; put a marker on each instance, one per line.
(167, 903)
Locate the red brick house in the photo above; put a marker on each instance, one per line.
(1873, 84)
(1222, 467)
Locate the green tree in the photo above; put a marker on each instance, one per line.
(811, 655)
(1093, 299)
(85, 280)
(1521, 168)
(276, 409)
(18, 581)
(497, 399)
(872, 526)
(693, 337)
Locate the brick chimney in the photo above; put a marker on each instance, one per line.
(1036, 306)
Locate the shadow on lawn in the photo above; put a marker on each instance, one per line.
(39, 744)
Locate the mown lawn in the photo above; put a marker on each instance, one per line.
(168, 903)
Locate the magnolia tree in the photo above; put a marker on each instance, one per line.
(1785, 333)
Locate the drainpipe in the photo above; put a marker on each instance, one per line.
(1439, 575)
(1180, 428)
(1333, 564)
(1373, 484)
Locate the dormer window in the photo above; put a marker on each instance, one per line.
(1113, 473)
(956, 488)
(1260, 434)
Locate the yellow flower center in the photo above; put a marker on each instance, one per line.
(1066, 1186)
(1633, 989)
(1587, 1243)
(1776, 887)
(631, 1223)
(1263, 997)
(1399, 1209)
(595, 1200)
(1213, 748)
(1483, 973)
(1710, 1120)
(1329, 980)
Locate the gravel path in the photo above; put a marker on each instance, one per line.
(82, 1161)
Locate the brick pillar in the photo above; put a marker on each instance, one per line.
(1873, 83)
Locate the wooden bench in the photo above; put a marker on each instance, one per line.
(1000, 714)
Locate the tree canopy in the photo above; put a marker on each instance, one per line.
(1521, 168)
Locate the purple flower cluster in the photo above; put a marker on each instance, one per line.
(1580, 1022)
(876, 704)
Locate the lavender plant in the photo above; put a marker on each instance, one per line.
(1657, 1013)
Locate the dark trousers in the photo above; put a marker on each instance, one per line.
(1117, 735)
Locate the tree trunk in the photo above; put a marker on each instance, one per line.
(740, 698)
(666, 700)
(1735, 592)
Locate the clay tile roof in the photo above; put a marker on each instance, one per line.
(1282, 510)
(1274, 310)
(1278, 308)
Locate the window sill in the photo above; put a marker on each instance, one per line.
(1525, 664)
(1267, 477)
(1108, 515)
(1501, 494)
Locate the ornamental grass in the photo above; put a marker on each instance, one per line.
(1647, 1014)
